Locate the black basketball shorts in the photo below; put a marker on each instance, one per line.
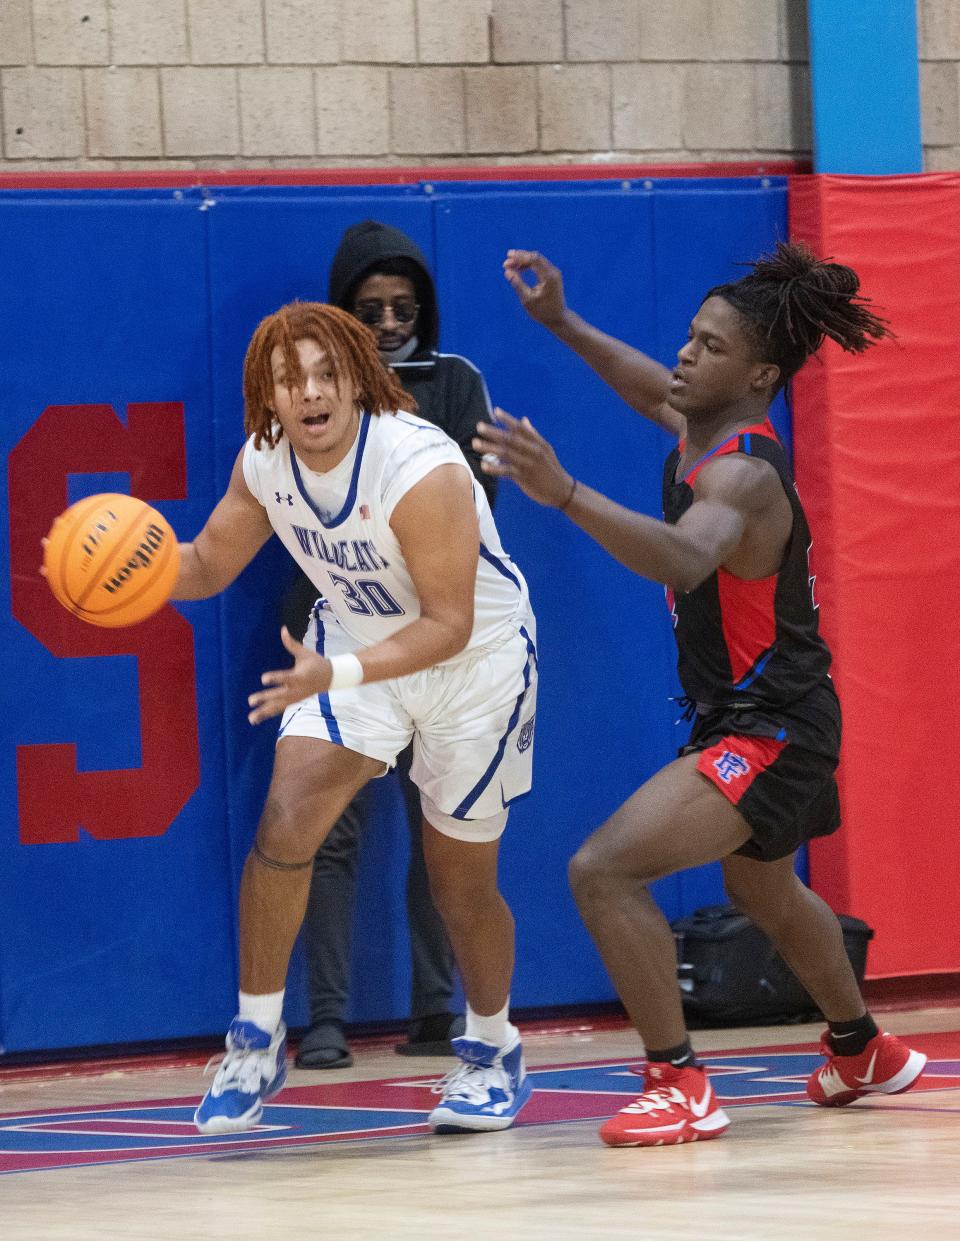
(786, 793)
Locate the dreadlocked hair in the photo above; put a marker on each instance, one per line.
(791, 301)
(350, 346)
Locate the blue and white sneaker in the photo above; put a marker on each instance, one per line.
(253, 1071)
(485, 1092)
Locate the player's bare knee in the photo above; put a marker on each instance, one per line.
(286, 834)
(588, 875)
(595, 871)
(460, 896)
(443, 895)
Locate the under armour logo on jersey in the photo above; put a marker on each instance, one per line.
(731, 766)
(525, 739)
(280, 498)
(364, 512)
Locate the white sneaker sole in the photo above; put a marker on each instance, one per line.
(718, 1119)
(446, 1120)
(441, 1120)
(229, 1124)
(916, 1063)
(239, 1124)
(712, 1126)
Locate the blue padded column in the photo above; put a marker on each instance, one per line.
(865, 86)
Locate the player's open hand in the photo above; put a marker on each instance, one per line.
(515, 449)
(543, 299)
(310, 674)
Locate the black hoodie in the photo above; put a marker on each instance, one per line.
(448, 389)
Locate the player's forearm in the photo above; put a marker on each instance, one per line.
(424, 642)
(421, 644)
(646, 546)
(195, 579)
(639, 380)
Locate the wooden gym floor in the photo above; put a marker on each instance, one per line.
(106, 1150)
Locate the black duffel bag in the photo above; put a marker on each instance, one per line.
(730, 973)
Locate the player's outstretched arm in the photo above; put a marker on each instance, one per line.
(729, 493)
(436, 525)
(636, 378)
(235, 531)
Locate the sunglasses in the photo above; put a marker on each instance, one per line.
(371, 313)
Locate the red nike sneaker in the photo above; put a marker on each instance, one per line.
(885, 1066)
(678, 1105)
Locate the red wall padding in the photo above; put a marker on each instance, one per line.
(877, 454)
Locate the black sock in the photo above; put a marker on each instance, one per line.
(849, 1038)
(681, 1057)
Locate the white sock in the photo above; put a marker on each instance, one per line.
(495, 1030)
(264, 1011)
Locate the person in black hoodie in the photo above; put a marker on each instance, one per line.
(379, 275)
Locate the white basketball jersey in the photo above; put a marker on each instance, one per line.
(336, 526)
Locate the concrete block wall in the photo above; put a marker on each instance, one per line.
(126, 84)
(940, 83)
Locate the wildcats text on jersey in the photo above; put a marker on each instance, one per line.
(354, 555)
(336, 526)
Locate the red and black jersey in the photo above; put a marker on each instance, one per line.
(748, 642)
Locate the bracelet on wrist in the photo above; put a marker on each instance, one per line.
(562, 508)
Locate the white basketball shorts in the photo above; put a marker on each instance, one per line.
(471, 721)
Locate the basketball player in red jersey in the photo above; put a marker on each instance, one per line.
(756, 779)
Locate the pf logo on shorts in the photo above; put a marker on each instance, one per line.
(525, 739)
(730, 766)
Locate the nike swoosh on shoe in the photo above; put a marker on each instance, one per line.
(700, 1109)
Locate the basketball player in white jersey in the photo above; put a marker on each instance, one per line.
(425, 631)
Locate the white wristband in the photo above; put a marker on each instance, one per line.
(347, 671)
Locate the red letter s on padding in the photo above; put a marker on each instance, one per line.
(55, 799)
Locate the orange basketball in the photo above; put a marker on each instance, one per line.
(111, 560)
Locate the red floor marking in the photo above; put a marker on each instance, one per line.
(319, 1113)
(192, 1058)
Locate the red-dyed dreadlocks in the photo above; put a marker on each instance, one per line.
(350, 346)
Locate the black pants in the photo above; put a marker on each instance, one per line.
(329, 920)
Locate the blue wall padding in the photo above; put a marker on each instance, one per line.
(111, 298)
